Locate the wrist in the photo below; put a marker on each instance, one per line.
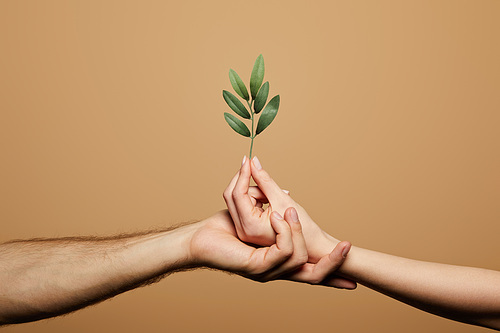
(318, 242)
(201, 237)
(183, 239)
(322, 245)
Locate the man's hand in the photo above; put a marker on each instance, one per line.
(252, 222)
(60, 275)
(215, 244)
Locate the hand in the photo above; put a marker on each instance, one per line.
(245, 204)
(252, 222)
(215, 244)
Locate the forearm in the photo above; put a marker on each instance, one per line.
(466, 294)
(44, 278)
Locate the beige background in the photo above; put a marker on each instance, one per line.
(388, 133)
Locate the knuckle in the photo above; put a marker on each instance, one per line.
(302, 259)
(236, 195)
(287, 252)
(226, 195)
(265, 177)
(258, 271)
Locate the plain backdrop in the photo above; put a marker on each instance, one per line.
(111, 120)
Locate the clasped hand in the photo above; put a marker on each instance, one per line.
(278, 242)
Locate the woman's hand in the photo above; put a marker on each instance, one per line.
(215, 244)
(252, 222)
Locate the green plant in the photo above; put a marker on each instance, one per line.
(257, 99)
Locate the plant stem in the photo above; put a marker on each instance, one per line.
(251, 147)
(253, 136)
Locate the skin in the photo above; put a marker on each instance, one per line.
(466, 294)
(251, 221)
(245, 204)
(43, 278)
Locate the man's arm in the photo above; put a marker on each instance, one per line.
(465, 294)
(48, 277)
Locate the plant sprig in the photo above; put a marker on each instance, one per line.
(257, 99)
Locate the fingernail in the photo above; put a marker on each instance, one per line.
(294, 216)
(257, 164)
(345, 251)
(277, 215)
(286, 191)
(244, 160)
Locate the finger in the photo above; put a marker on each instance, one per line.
(257, 197)
(330, 263)
(259, 200)
(304, 274)
(257, 194)
(265, 259)
(316, 273)
(240, 195)
(272, 191)
(338, 282)
(228, 198)
(299, 256)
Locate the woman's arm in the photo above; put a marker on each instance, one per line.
(466, 294)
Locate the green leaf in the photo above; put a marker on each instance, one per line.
(267, 116)
(235, 104)
(257, 75)
(261, 98)
(236, 124)
(238, 85)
